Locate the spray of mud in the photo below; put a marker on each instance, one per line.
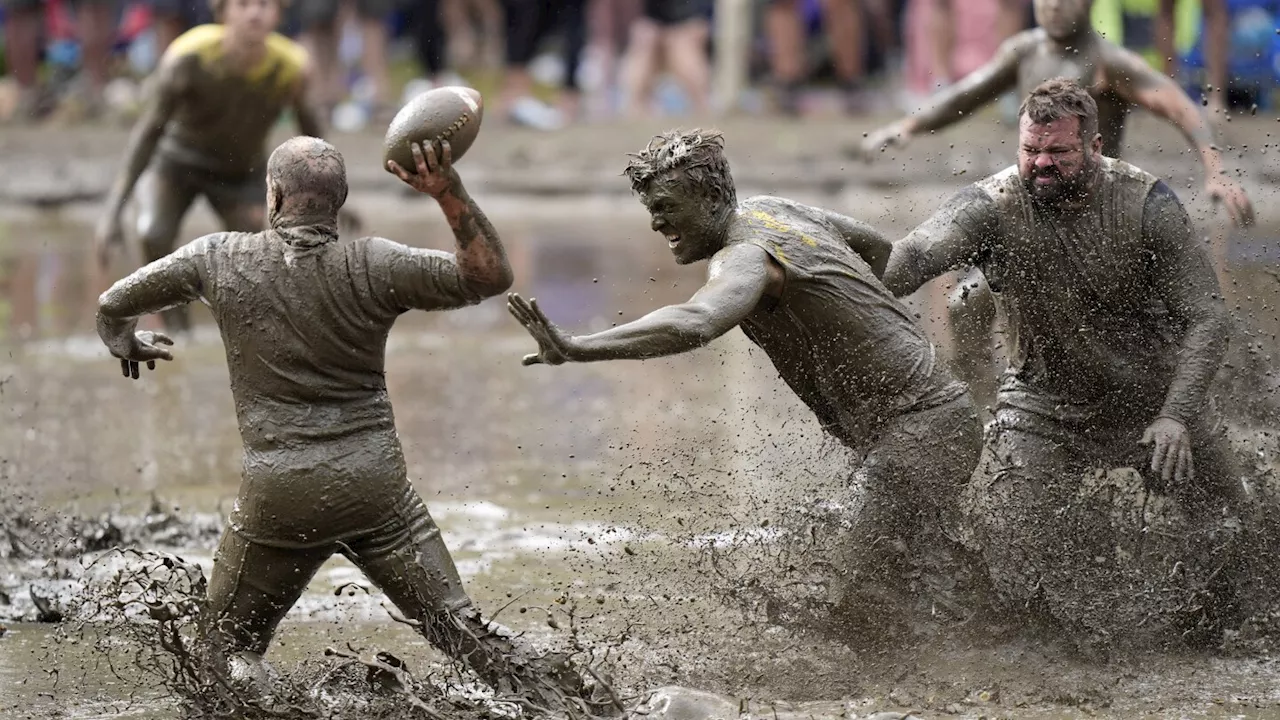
(138, 610)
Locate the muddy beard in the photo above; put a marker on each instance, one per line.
(1067, 191)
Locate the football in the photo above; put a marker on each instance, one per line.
(445, 113)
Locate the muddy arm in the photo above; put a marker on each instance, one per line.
(165, 92)
(737, 279)
(1140, 84)
(980, 87)
(173, 280)
(958, 235)
(1189, 288)
(873, 247)
(308, 120)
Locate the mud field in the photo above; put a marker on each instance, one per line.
(600, 504)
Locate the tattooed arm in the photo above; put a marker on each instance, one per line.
(737, 279)
(482, 265)
(1140, 84)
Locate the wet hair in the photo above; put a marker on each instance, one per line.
(217, 6)
(1062, 98)
(697, 154)
(310, 178)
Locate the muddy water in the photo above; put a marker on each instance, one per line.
(583, 482)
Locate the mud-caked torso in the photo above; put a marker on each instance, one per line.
(1039, 62)
(221, 117)
(1085, 315)
(849, 349)
(304, 319)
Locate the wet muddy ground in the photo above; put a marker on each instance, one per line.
(574, 483)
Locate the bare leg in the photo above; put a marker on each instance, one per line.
(1166, 40)
(95, 22)
(639, 66)
(1217, 34)
(785, 34)
(22, 54)
(686, 51)
(941, 41)
(373, 59)
(848, 39)
(321, 41)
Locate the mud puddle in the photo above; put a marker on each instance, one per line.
(597, 484)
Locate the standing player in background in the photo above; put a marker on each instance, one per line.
(1064, 45)
(212, 102)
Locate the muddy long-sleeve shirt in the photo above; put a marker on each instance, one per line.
(304, 319)
(1113, 303)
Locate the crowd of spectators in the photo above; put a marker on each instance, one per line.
(551, 63)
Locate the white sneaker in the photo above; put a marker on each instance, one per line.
(533, 113)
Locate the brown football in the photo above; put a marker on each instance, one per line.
(445, 113)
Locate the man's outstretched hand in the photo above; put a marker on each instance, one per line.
(145, 348)
(1171, 453)
(553, 344)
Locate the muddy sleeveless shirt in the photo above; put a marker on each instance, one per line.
(221, 120)
(850, 350)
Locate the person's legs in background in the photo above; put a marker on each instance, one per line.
(23, 25)
(573, 23)
(429, 37)
(373, 52)
(785, 33)
(527, 22)
(640, 64)
(846, 41)
(685, 32)
(318, 23)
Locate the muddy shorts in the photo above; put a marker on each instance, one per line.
(253, 585)
(1066, 524)
(168, 189)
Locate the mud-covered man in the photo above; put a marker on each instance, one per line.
(791, 277)
(1064, 45)
(305, 317)
(212, 102)
(1116, 328)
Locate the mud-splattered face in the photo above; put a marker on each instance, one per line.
(1053, 160)
(691, 222)
(251, 20)
(1062, 19)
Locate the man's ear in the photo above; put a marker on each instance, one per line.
(1096, 145)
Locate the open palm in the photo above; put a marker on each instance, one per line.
(553, 343)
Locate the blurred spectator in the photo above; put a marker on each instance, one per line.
(466, 46)
(785, 31)
(429, 39)
(948, 39)
(174, 17)
(23, 25)
(677, 31)
(528, 24)
(1216, 37)
(608, 28)
(321, 26)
